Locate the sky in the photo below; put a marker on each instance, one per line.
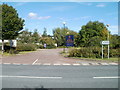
(51, 15)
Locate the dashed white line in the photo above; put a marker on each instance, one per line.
(66, 64)
(46, 64)
(56, 64)
(85, 64)
(37, 64)
(34, 77)
(113, 63)
(76, 64)
(34, 61)
(6, 63)
(112, 77)
(104, 63)
(16, 63)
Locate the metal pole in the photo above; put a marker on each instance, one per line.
(102, 51)
(108, 51)
(64, 37)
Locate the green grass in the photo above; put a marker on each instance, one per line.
(98, 59)
(8, 54)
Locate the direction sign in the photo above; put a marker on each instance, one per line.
(105, 43)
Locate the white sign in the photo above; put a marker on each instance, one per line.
(105, 42)
(13, 43)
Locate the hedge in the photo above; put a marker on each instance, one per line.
(92, 52)
(26, 47)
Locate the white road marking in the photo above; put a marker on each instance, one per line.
(94, 63)
(104, 63)
(113, 63)
(66, 64)
(32, 77)
(37, 63)
(26, 64)
(34, 61)
(16, 63)
(76, 64)
(6, 63)
(56, 64)
(46, 64)
(85, 64)
(112, 77)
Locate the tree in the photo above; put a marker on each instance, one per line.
(60, 33)
(44, 33)
(92, 29)
(25, 37)
(12, 24)
(36, 37)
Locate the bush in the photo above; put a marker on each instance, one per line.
(92, 52)
(26, 47)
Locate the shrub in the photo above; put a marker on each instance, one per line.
(92, 52)
(26, 47)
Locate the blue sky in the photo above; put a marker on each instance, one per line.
(38, 15)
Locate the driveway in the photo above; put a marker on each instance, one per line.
(47, 57)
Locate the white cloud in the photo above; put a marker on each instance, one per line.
(100, 5)
(32, 15)
(35, 16)
(45, 17)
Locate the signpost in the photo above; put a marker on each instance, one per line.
(105, 43)
(70, 40)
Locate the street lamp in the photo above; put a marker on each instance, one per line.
(108, 40)
(108, 31)
(64, 37)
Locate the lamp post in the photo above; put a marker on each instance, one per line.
(64, 37)
(108, 40)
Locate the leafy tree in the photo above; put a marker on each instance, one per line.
(48, 41)
(115, 41)
(25, 37)
(60, 33)
(12, 24)
(45, 33)
(36, 36)
(92, 29)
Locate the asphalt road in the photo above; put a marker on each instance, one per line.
(37, 76)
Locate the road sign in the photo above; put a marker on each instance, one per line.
(70, 40)
(105, 43)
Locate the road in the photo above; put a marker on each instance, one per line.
(49, 76)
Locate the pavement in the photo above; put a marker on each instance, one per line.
(34, 76)
(49, 57)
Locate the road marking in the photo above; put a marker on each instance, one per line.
(26, 64)
(94, 63)
(66, 64)
(34, 61)
(85, 64)
(16, 63)
(113, 63)
(37, 64)
(107, 77)
(6, 63)
(104, 63)
(76, 64)
(32, 77)
(56, 64)
(46, 64)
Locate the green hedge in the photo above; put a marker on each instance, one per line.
(26, 47)
(92, 52)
